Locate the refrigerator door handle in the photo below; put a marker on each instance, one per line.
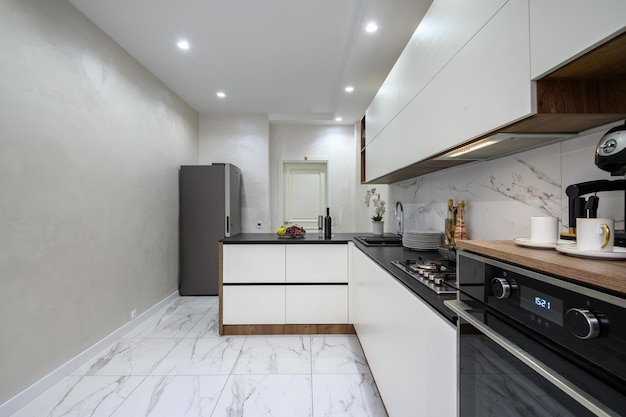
(227, 224)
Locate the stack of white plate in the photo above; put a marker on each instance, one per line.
(421, 239)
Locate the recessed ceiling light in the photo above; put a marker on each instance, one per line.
(221, 94)
(183, 44)
(349, 89)
(338, 119)
(371, 27)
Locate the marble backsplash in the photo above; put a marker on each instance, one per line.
(502, 194)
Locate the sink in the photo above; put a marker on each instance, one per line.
(380, 240)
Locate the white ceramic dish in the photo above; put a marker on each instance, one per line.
(524, 241)
(617, 253)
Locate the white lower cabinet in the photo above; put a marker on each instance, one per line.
(317, 304)
(266, 284)
(253, 263)
(411, 350)
(442, 370)
(316, 263)
(253, 304)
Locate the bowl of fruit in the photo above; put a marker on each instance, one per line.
(291, 232)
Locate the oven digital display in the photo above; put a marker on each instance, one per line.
(543, 305)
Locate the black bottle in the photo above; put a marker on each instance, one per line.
(327, 225)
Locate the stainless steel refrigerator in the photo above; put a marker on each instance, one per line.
(209, 210)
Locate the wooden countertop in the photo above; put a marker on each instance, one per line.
(603, 274)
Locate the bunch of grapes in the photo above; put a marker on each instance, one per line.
(295, 231)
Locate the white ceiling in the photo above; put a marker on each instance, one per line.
(290, 59)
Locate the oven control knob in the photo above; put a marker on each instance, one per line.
(582, 323)
(502, 288)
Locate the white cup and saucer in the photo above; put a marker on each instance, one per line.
(544, 233)
(594, 239)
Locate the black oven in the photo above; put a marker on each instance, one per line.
(530, 344)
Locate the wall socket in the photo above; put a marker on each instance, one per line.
(133, 314)
(259, 225)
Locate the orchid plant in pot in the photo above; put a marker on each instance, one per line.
(372, 197)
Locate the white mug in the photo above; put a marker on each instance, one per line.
(595, 234)
(544, 229)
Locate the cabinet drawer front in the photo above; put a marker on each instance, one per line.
(254, 263)
(317, 304)
(317, 263)
(254, 304)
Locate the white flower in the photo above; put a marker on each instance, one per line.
(379, 205)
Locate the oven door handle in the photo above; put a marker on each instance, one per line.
(464, 312)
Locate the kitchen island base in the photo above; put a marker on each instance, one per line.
(283, 288)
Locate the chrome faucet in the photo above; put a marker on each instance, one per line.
(401, 221)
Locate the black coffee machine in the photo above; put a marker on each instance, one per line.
(610, 156)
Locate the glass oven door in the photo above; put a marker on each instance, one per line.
(504, 372)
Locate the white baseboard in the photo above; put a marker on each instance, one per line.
(30, 393)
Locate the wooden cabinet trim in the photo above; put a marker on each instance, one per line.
(243, 330)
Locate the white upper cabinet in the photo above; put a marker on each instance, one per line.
(384, 107)
(562, 30)
(445, 29)
(485, 85)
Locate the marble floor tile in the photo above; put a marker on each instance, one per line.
(128, 357)
(266, 395)
(337, 354)
(208, 356)
(78, 396)
(207, 301)
(346, 395)
(267, 355)
(207, 326)
(166, 326)
(173, 396)
(175, 364)
(191, 305)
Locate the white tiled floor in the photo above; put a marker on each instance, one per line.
(175, 364)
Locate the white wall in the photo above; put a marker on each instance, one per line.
(334, 144)
(258, 149)
(90, 143)
(243, 141)
(502, 194)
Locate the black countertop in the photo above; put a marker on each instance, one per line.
(272, 238)
(382, 255)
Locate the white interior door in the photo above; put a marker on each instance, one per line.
(305, 192)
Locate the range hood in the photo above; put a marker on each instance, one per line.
(502, 144)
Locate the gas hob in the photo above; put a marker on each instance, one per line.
(439, 276)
